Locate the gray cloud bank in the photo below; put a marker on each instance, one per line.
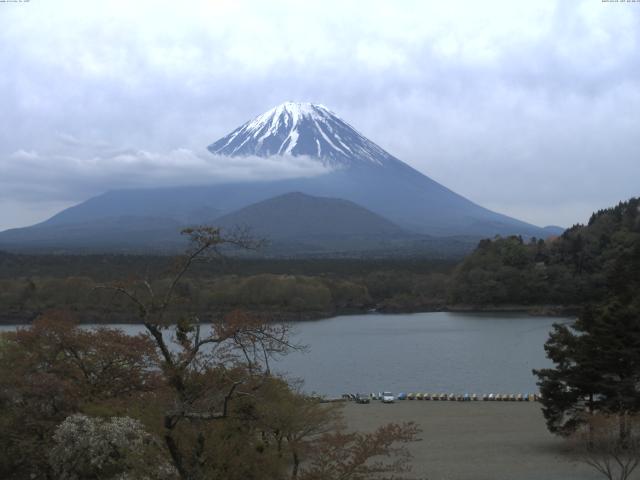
(29, 177)
(76, 177)
(529, 108)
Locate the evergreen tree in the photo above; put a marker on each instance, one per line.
(597, 367)
(597, 358)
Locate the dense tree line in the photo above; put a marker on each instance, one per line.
(292, 296)
(577, 267)
(109, 267)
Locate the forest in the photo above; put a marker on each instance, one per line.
(286, 289)
(572, 269)
(556, 274)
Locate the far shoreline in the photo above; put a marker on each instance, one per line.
(89, 317)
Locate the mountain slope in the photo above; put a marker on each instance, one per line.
(294, 224)
(112, 234)
(299, 216)
(297, 224)
(358, 171)
(364, 173)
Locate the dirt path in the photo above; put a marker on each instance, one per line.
(476, 440)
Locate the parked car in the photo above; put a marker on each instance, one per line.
(387, 397)
(362, 398)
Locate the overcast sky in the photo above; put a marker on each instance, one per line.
(530, 108)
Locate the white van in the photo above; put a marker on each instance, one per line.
(387, 397)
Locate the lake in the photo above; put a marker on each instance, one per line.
(420, 352)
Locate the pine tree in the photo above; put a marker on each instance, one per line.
(597, 358)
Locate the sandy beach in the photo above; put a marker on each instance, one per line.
(476, 440)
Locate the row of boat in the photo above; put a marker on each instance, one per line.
(452, 397)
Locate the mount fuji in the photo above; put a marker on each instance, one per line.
(365, 173)
(303, 129)
(374, 188)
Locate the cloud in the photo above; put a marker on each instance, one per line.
(529, 108)
(30, 176)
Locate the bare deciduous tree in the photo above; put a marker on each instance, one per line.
(598, 444)
(204, 369)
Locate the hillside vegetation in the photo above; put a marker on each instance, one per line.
(290, 289)
(578, 267)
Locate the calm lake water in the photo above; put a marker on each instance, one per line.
(421, 352)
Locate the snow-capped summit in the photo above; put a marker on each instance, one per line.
(365, 191)
(309, 129)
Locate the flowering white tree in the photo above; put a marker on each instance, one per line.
(117, 448)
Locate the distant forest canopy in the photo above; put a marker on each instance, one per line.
(109, 267)
(289, 289)
(577, 267)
